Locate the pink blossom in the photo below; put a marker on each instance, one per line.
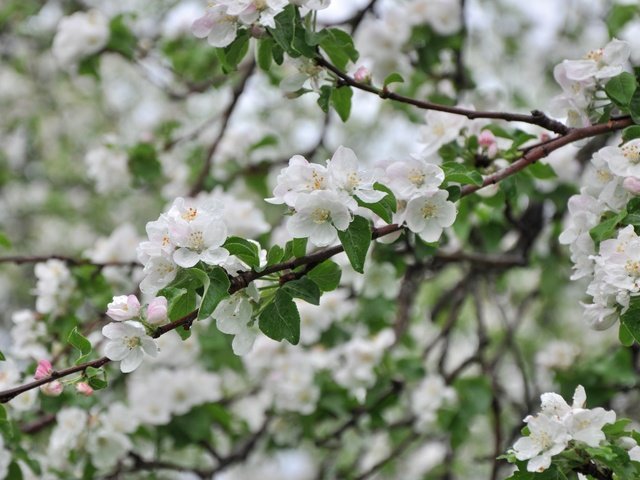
(124, 307)
(52, 389)
(157, 311)
(43, 370)
(84, 389)
(632, 185)
(362, 75)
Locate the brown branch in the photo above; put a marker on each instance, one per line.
(71, 261)
(536, 117)
(245, 278)
(226, 116)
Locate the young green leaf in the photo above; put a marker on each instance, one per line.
(341, 101)
(216, 291)
(385, 208)
(621, 88)
(356, 240)
(326, 275)
(392, 78)
(304, 289)
(280, 319)
(245, 250)
(80, 342)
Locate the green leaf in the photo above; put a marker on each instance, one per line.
(631, 320)
(144, 164)
(625, 336)
(606, 228)
(459, 173)
(634, 107)
(4, 241)
(264, 53)
(325, 97)
(621, 88)
(619, 16)
(181, 302)
(6, 427)
(96, 378)
(630, 133)
(80, 342)
(304, 289)
(90, 66)
(15, 472)
(121, 40)
(2, 357)
(392, 78)
(386, 207)
(341, 101)
(275, 255)
(542, 171)
(356, 240)
(289, 34)
(326, 275)
(295, 248)
(338, 45)
(280, 319)
(216, 290)
(245, 250)
(231, 55)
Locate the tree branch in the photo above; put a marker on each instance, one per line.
(536, 117)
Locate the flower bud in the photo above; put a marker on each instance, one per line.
(632, 185)
(84, 389)
(362, 75)
(157, 311)
(52, 389)
(43, 370)
(124, 307)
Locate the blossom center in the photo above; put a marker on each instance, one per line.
(631, 152)
(429, 210)
(543, 439)
(317, 181)
(595, 55)
(353, 180)
(416, 177)
(190, 214)
(132, 342)
(632, 267)
(196, 241)
(320, 215)
(604, 176)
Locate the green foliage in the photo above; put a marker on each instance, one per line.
(630, 323)
(121, 39)
(619, 16)
(264, 53)
(215, 290)
(341, 101)
(356, 240)
(460, 173)
(386, 207)
(392, 78)
(280, 319)
(290, 34)
(192, 59)
(607, 227)
(295, 248)
(96, 378)
(81, 343)
(304, 289)
(630, 133)
(620, 89)
(338, 45)
(326, 275)
(144, 164)
(4, 241)
(245, 250)
(231, 55)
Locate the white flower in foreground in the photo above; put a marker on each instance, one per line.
(159, 272)
(232, 316)
(128, 344)
(123, 307)
(586, 425)
(199, 240)
(299, 177)
(219, 28)
(441, 129)
(428, 215)
(601, 63)
(624, 160)
(413, 177)
(547, 437)
(80, 35)
(317, 217)
(346, 176)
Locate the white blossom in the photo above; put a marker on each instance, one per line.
(128, 344)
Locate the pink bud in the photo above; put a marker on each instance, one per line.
(157, 311)
(362, 75)
(544, 137)
(486, 139)
(124, 307)
(632, 185)
(84, 389)
(43, 370)
(52, 389)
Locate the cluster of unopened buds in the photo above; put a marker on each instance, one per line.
(56, 387)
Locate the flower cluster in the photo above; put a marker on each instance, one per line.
(80, 35)
(323, 197)
(223, 18)
(189, 232)
(556, 425)
(422, 205)
(128, 339)
(609, 185)
(582, 79)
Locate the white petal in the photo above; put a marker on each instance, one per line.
(222, 34)
(149, 346)
(116, 350)
(114, 330)
(132, 361)
(185, 258)
(214, 256)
